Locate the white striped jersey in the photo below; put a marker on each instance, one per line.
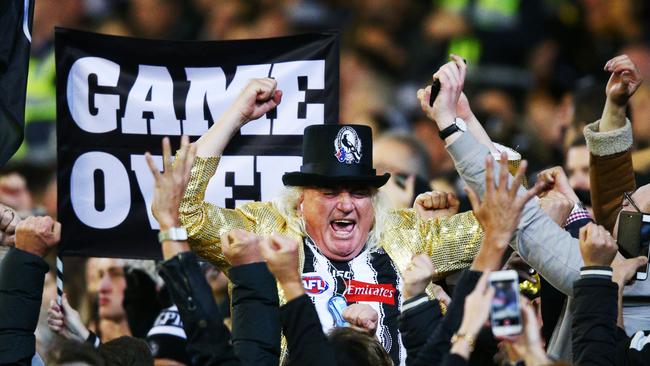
(370, 278)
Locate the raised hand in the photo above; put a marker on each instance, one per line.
(436, 204)
(241, 247)
(170, 184)
(66, 321)
(597, 246)
(257, 98)
(281, 255)
(9, 219)
(624, 270)
(477, 307)
(452, 79)
(362, 316)
(417, 275)
(624, 81)
(37, 235)
(555, 179)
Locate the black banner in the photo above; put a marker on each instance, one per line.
(117, 97)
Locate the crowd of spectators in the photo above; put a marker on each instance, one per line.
(535, 80)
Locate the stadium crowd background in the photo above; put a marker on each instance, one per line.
(535, 78)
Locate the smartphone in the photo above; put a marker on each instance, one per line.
(505, 313)
(634, 238)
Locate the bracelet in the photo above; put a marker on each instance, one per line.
(471, 340)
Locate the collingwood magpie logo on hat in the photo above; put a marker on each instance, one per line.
(347, 146)
(346, 165)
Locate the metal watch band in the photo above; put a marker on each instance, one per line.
(174, 233)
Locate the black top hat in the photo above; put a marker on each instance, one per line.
(336, 155)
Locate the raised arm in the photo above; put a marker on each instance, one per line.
(540, 242)
(257, 98)
(205, 222)
(208, 339)
(453, 103)
(610, 140)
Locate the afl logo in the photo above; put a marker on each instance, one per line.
(314, 285)
(347, 146)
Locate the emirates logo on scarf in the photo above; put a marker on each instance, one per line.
(363, 291)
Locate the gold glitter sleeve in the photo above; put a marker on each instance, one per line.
(206, 222)
(452, 242)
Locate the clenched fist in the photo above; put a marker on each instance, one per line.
(597, 246)
(435, 204)
(241, 247)
(257, 98)
(37, 235)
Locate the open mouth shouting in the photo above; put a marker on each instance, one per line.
(343, 228)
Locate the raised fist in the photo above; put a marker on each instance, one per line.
(435, 204)
(241, 247)
(37, 235)
(555, 179)
(597, 246)
(257, 98)
(625, 79)
(281, 255)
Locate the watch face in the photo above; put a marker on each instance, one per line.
(461, 124)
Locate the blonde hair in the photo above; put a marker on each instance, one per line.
(288, 200)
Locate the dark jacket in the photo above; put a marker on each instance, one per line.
(208, 339)
(417, 323)
(21, 289)
(256, 330)
(596, 339)
(593, 329)
(438, 344)
(306, 341)
(255, 315)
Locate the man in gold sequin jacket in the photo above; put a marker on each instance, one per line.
(352, 247)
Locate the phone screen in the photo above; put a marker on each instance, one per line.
(505, 304)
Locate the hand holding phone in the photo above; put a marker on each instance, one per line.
(634, 238)
(505, 314)
(435, 89)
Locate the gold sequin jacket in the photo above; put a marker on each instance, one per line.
(452, 243)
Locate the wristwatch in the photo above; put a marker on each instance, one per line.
(458, 125)
(173, 233)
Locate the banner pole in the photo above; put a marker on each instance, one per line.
(59, 280)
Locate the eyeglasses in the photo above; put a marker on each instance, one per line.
(628, 196)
